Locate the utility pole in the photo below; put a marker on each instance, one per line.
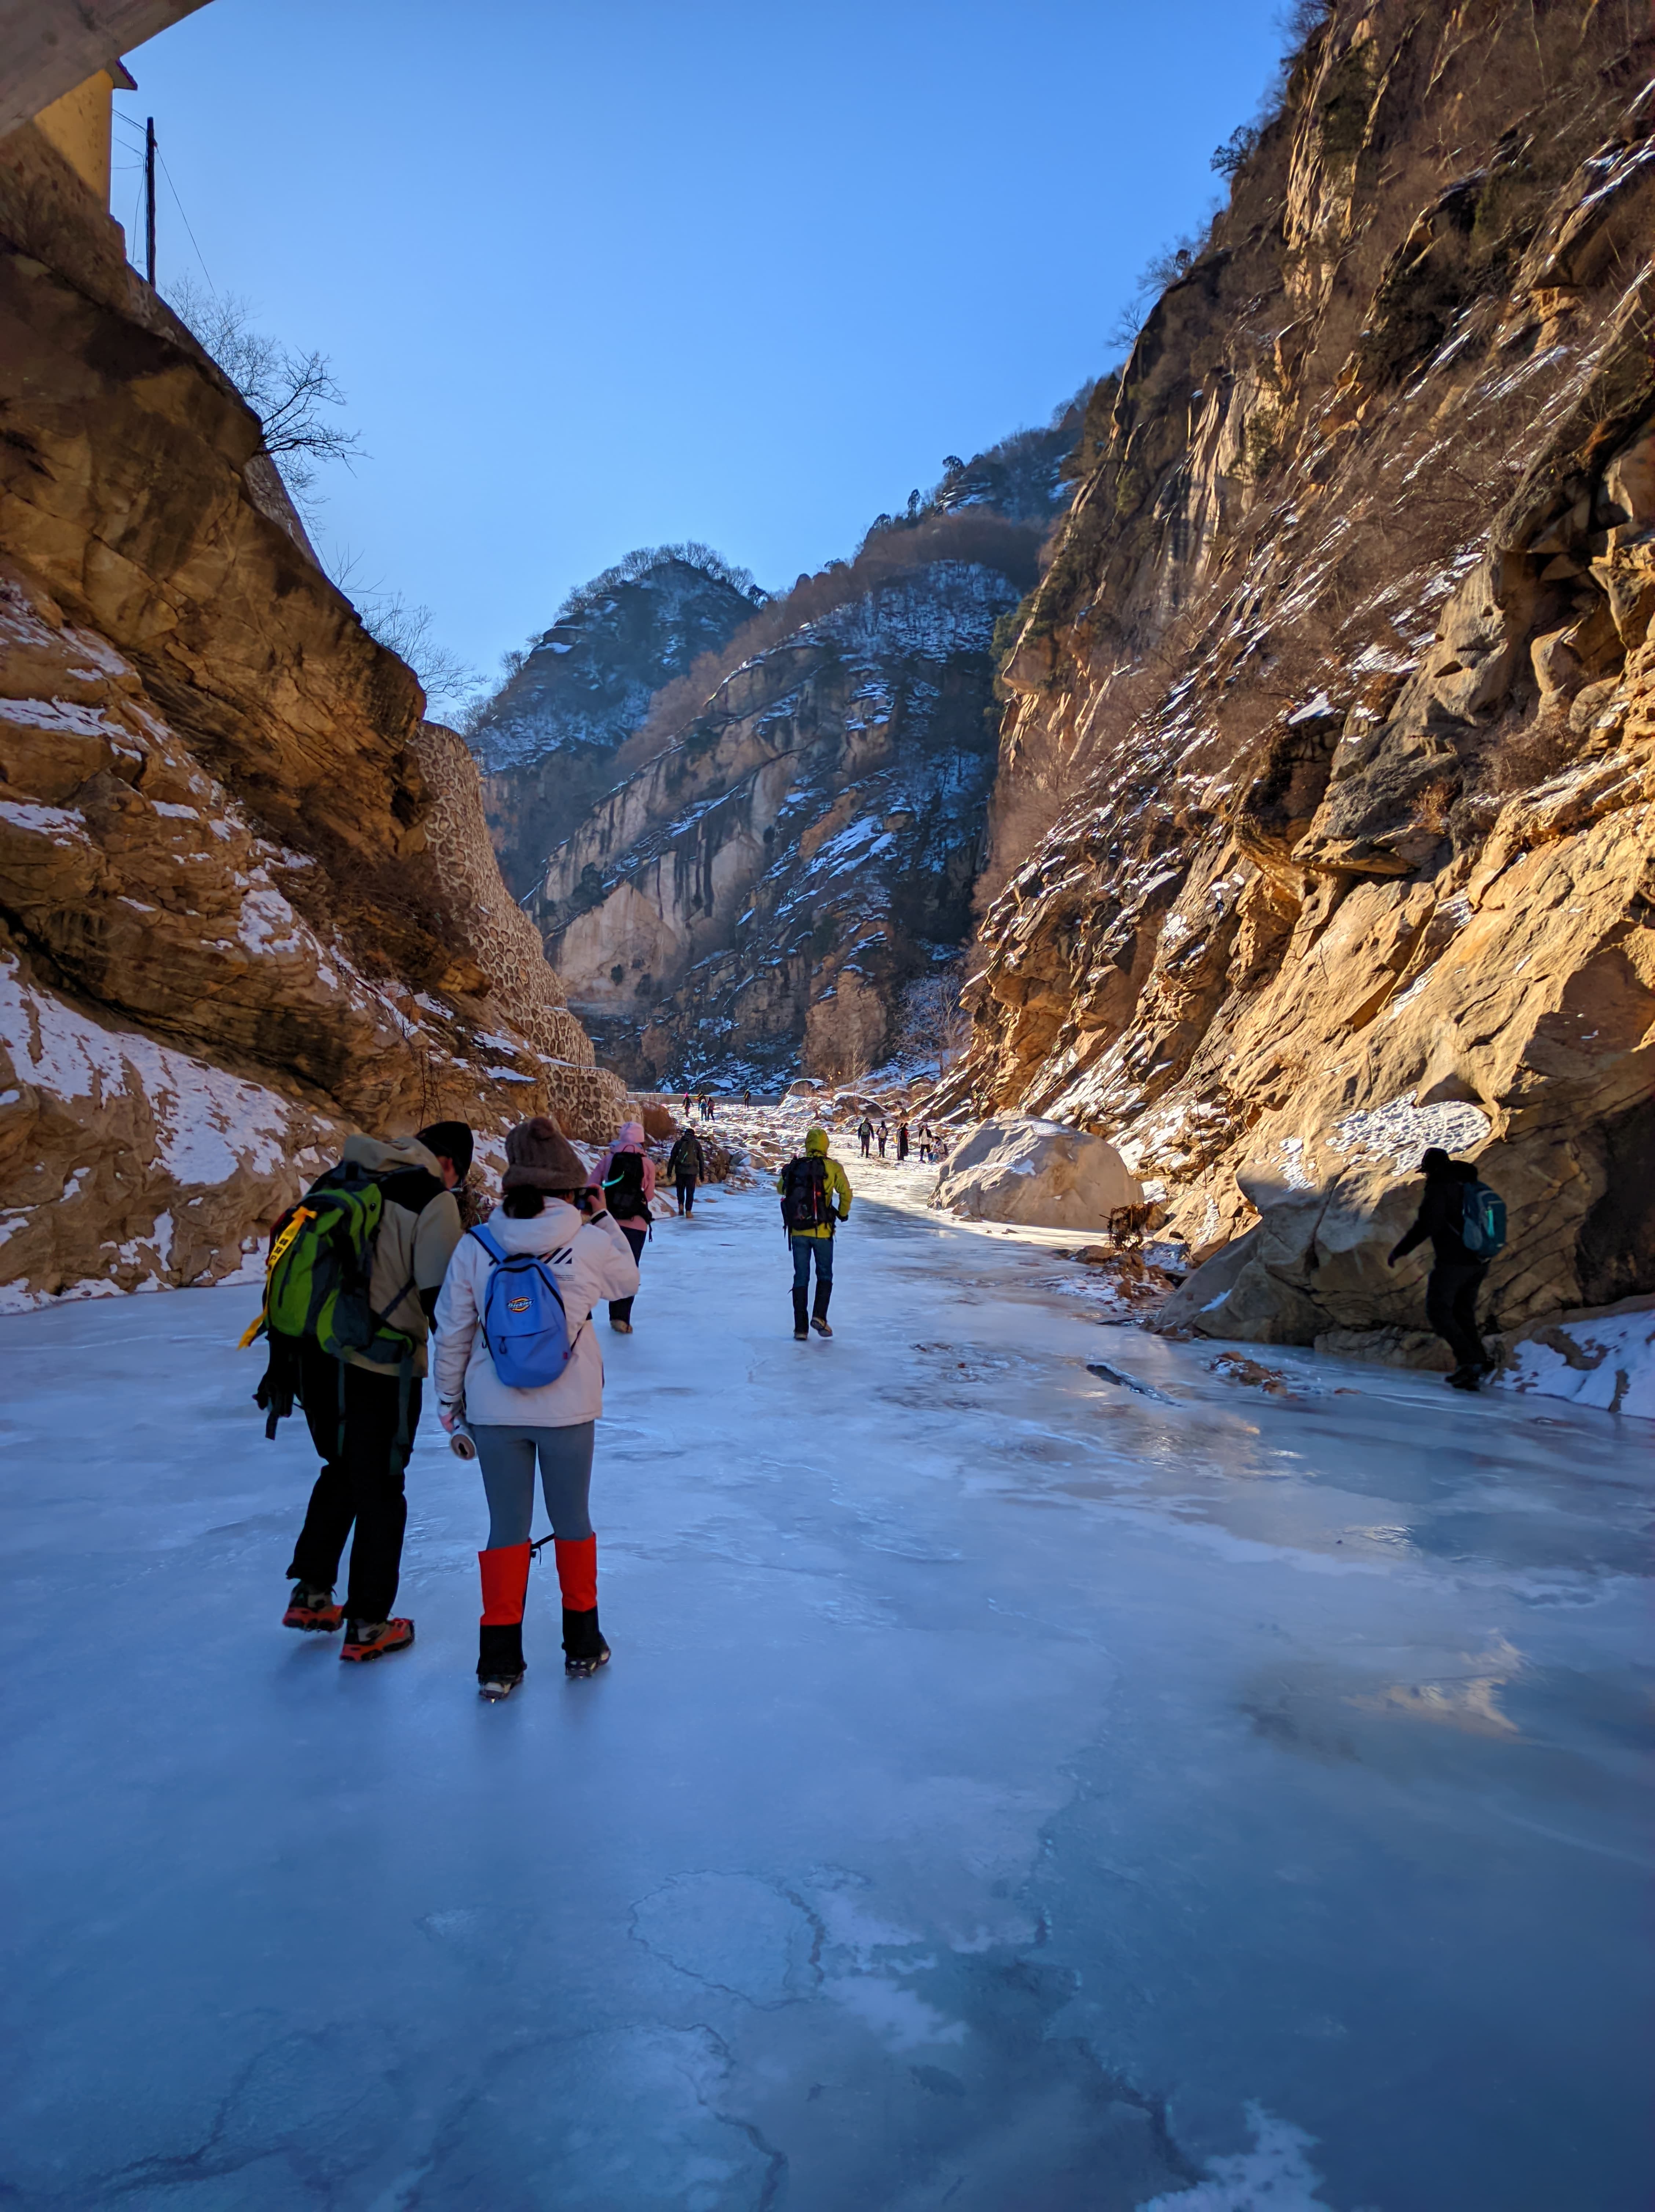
(149, 200)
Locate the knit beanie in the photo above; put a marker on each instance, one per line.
(1435, 1161)
(538, 1157)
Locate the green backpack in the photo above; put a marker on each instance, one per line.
(316, 1287)
(321, 1264)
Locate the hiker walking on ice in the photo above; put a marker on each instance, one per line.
(901, 1140)
(883, 1135)
(865, 1134)
(518, 1366)
(626, 1176)
(356, 1362)
(688, 1166)
(815, 1198)
(1466, 1224)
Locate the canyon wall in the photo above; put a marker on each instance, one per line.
(1322, 825)
(786, 883)
(246, 899)
(548, 739)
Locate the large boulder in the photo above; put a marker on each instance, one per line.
(1014, 1168)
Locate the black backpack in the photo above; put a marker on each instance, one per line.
(623, 1188)
(805, 1197)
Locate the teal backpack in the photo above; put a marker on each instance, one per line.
(1482, 1221)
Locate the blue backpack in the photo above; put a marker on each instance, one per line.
(1482, 1221)
(524, 1323)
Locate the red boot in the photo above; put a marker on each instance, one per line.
(584, 1648)
(500, 1668)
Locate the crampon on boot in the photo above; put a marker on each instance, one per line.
(818, 1320)
(505, 1572)
(313, 1608)
(801, 1319)
(584, 1648)
(371, 1640)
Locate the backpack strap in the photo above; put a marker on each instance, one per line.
(490, 1244)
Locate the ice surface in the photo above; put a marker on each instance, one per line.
(1012, 1791)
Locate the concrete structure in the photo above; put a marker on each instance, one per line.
(48, 50)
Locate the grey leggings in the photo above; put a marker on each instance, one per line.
(506, 1456)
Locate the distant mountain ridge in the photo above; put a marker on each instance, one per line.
(547, 739)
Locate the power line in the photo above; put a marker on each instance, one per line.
(184, 219)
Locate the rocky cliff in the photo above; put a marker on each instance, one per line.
(786, 880)
(245, 894)
(547, 740)
(1323, 828)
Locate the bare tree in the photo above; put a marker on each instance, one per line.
(288, 392)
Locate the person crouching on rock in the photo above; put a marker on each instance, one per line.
(626, 1176)
(516, 1359)
(688, 1164)
(1451, 1216)
(815, 1199)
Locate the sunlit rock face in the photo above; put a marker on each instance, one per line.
(783, 883)
(1325, 803)
(548, 741)
(246, 897)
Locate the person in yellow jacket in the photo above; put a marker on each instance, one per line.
(815, 1199)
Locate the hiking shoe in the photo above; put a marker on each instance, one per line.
(371, 1640)
(312, 1607)
(621, 1328)
(589, 1664)
(497, 1687)
(1462, 1378)
(820, 1323)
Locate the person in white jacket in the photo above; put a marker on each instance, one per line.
(590, 1260)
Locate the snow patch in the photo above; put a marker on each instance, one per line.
(1274, 2176)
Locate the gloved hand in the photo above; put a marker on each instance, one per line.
(448, 1415)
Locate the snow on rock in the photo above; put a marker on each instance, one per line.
(1014, 1168)
(136, 1164)
(1604, 1359)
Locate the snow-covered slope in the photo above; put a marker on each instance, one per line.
(546, 741)
(782, 879)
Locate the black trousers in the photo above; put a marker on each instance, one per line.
(686, 1191)
(360, 1484)
(1451, 1306)
(636, 1235)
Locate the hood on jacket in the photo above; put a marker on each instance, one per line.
(381, 1156)
(630, 1139)
(816, 1141)
(557, 1224)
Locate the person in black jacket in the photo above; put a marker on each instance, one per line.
(1455, 1280)
(688, 1165)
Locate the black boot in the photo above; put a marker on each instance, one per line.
(818, 1320)
(499, 1666)
(801, 1319)
(584, 1648)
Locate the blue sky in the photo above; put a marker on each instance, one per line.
(601, 275)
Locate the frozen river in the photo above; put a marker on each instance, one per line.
(1014, 1791)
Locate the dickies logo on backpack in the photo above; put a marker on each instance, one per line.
(524, 1323)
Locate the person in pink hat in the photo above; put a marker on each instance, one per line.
(626, 1176)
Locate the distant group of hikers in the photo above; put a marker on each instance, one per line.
(704, 1103)
(390, 1243)
(869, 1134)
